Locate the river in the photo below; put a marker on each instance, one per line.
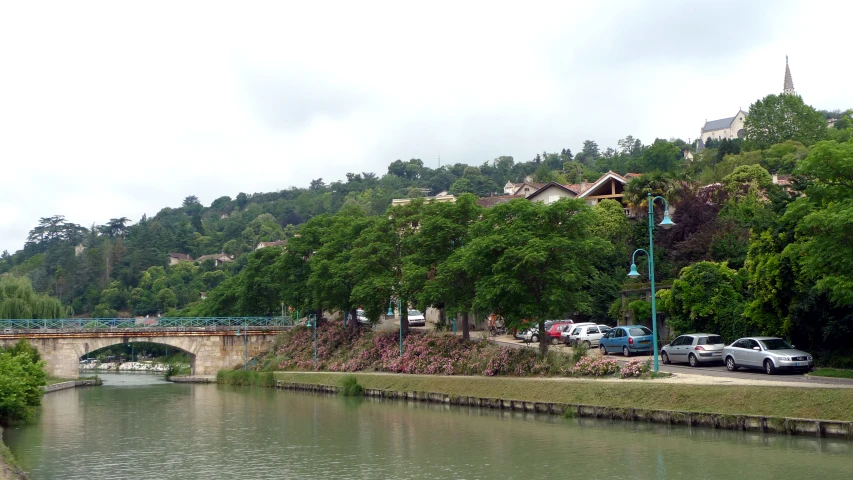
(136, 426)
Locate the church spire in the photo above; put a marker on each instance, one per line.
(789, 82)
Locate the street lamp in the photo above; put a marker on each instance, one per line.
(312, 322)
(391, 312)
(666, 223)
(131, 351)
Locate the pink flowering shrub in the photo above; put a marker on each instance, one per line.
(347, 350)
(598, 367)
(635, 368)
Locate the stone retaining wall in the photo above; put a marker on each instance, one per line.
(72, 384)
(781, 425)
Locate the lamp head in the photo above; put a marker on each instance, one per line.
(666, 223)
(390, 309)
(633, 273)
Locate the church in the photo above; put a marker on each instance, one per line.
(732, 127)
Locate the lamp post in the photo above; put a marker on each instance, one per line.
(245, 336)
(666, 223)
(131, 351)
(391, 312)
(312, 321)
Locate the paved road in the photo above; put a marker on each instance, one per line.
(710, 370)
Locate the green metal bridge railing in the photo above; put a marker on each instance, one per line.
(161, 322)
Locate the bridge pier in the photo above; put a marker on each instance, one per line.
(210, 350)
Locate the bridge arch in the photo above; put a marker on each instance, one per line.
(92, 345)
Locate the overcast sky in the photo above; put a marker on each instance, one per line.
(112, 109)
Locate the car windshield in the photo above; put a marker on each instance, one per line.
(776, 344)
(639, 331)
(710, 340)
(414, 313)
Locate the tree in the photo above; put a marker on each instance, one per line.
(823, 234)
(661, 156)
(118, 226)
(428, 272)
(18, 299)
(190, 201)
(777, 118)
(22, 377)
(706, 297)
(530, 261)
(330, 280)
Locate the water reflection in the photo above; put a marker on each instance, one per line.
(139, 427)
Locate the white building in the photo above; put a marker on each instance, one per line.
(724, 128)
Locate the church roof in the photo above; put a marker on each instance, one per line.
(718, 124)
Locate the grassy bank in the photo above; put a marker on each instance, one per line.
(817, 403)
(8, 468)
(245, 378)
(832, 372)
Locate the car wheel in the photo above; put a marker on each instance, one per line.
(665, 358)
(553, 341)
(769, 367)
(586, 343)
(626, 352)
(730, 364)
(692, 360)
(602, 350)
(534, 339)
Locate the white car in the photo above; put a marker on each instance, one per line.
(362, 317)
(590, 335)
(416, 318)
(565, 336)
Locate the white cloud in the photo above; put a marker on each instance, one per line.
(111, 109)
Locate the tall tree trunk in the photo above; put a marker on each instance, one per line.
(544, 341)
(466, 335)
(353, 319)
(404, 320)
(442, 317)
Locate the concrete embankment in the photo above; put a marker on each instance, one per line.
(614, 401)
(72, 384)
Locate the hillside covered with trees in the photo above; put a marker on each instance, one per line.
(747, 255)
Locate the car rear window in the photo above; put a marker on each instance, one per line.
(639, 331)
(710, 340)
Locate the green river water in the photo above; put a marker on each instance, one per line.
(136, 426)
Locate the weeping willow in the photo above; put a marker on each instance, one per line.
(19, 300)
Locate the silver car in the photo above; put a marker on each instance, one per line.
(767, 353)
(694, 348)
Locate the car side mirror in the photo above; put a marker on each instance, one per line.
(757, 349)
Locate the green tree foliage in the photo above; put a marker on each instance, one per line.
(530, 261)
(706, 297)
(777, 118)
(18, 300)
(22, 377)
(823, 234)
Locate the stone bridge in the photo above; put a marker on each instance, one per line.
(210, 348)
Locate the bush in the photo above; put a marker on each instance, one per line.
(245, 377)
(579, 351)
(350, 387)
(21, 377)
(598, 367)
(635, 368)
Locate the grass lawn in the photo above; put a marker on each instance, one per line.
(832, 372)
(796, 402)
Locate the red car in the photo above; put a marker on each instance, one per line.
(555, 329)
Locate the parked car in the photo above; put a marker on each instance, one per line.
(416, 318)
(557, 328)
(362, 317)
(528, 334)
(628, 339)
(770, 354)
(694, 348)
(590, 335)
(572, 328)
